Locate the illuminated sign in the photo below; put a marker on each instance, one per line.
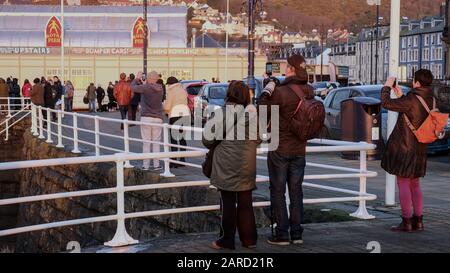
(53, 33)
(138, 33)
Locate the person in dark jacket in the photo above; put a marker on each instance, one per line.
(134, 103)
(234, 167)
(405, 157)
(14, 92)
(287, 163)
(100, 96)
(4, 93)
(112, 100)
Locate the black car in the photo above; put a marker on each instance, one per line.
(332, 103)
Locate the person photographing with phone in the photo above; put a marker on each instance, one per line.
(405, 155)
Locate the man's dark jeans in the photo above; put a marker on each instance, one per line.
(286, 169)
(123, 113)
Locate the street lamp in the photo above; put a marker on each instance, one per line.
(252, 7)
(145, 38)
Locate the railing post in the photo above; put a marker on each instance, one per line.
(362, 212)
(9, 107)
(49, 126)
(41, 123)
(75, 134)
(60, 144)
(126, 141)
(7, 129)
(63, 105)
(97, 136)
(121, 238)
(166, 136)
(22, 102)
(33, 120)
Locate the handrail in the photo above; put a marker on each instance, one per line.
(123, 158)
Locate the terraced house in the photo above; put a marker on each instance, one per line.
(421, 46)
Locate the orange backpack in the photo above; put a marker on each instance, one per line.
(433, 126)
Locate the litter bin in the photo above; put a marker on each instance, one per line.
(361, 121)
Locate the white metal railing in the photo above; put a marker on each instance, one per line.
(123, 157)
(13, 115)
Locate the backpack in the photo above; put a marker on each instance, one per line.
(309, 117)
(433, 126)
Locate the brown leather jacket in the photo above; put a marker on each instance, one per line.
(122, 93)
(37, 94)
(284, 97)
(404, 156)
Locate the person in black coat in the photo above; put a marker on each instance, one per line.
(100, 96)
(112, 100)
(404, 156)
(134, 103)
(50, 97)
(14, 92)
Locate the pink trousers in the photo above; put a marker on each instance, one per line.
(411, 198)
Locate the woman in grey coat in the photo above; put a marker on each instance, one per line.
(234, 165)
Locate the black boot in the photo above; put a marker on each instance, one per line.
(405, 225)
(417, 223)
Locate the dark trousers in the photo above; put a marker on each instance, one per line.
(123, 113)
(286, 169)
(237, 211)
(177, 139)
(132, 112)
(99, 102)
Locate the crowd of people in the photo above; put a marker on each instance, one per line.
(233, 170)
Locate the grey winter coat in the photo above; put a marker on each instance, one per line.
(234, 161)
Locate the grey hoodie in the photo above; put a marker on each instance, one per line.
(151, 98)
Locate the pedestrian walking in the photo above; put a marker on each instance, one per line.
(91, 96)
(122, 92)
(68, 98)
(404, 156)
(100, 96)
(176, 107)
(37, 93)
(151, 112)
(14, 92)
(112, 100)
(26, 88)
(4, 94)
(57, 85)
(50, 98)
(234, 168)
(286, 164)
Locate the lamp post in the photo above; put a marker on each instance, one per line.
(145, 37)
(251, 9)
(393, 71)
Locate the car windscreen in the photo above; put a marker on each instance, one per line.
(376, 94)
(319, 85)
(194, 90)
(218, 92)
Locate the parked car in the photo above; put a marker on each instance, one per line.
(332, 127)
(186, 83)
(321, 89)
(210, 97)
(193, 89)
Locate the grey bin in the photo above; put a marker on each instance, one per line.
(361, 121)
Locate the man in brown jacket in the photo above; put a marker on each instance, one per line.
(4, 93)
(37, 93)
(287, 163)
